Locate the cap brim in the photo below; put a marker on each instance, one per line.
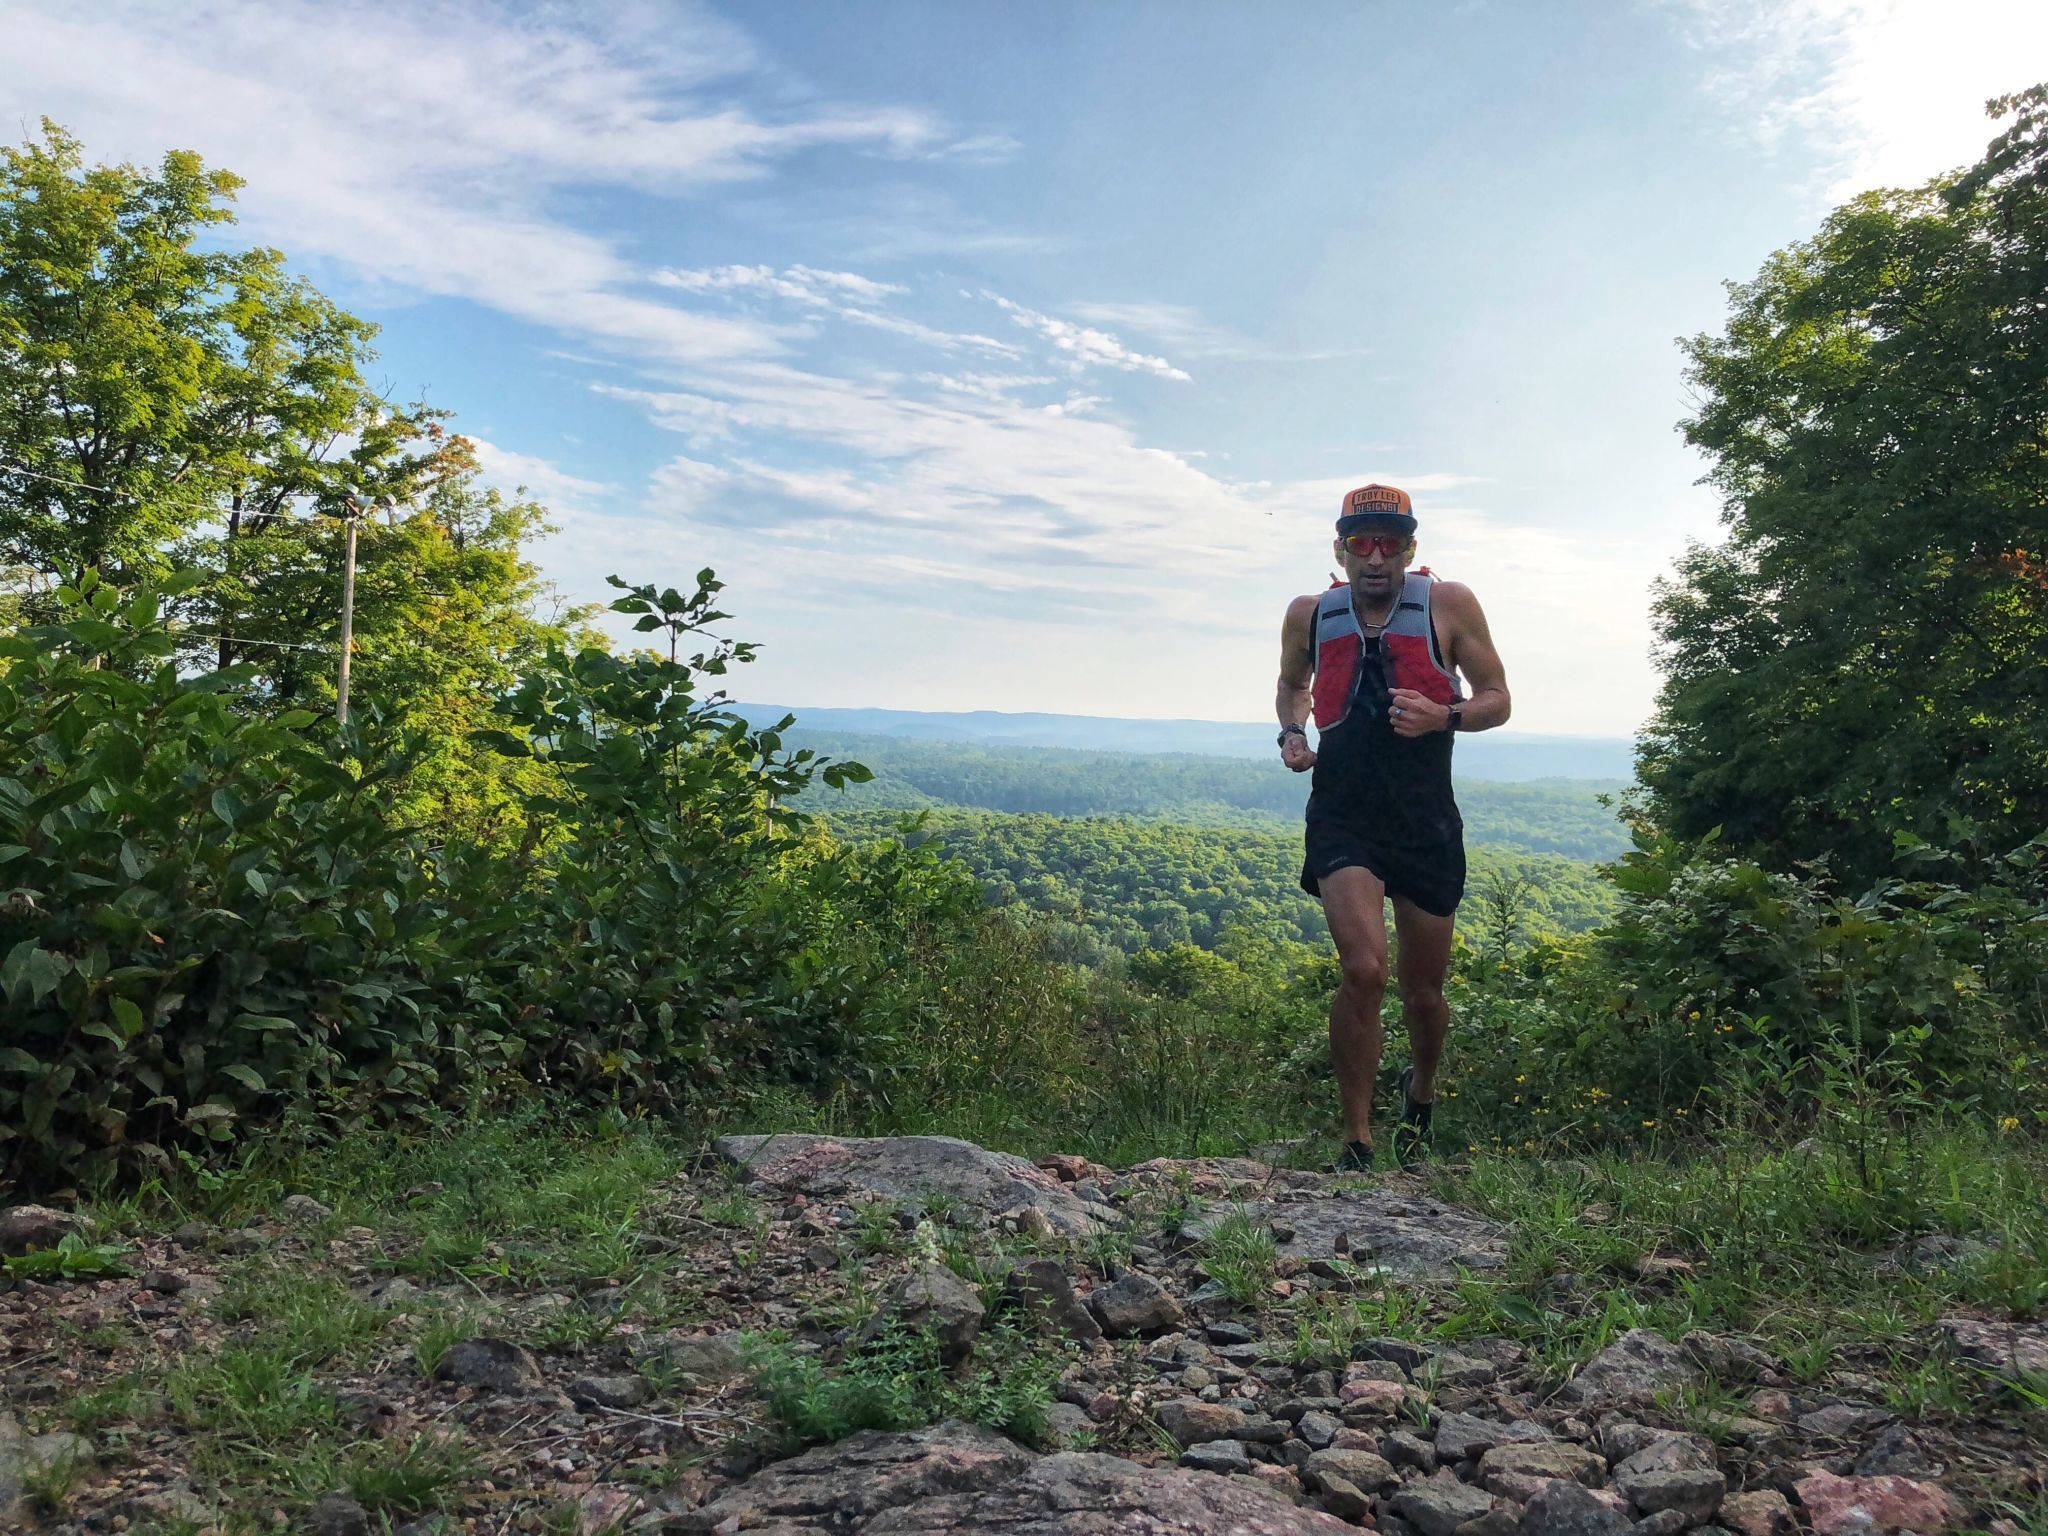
(1359, 521)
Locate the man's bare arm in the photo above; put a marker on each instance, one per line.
(1293, 699)
(1472, 653)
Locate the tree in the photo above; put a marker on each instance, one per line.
(153, 384)
(1861, 658)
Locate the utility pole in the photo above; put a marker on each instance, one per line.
(348, 610)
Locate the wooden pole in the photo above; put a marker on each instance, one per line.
(348, 618)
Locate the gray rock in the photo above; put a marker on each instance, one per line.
(694, 1360)
(1090, 1495)
(1135, 1304)
(2009, 1350)
(932, 1300)
(844, 1486)
(1621, 1438)
(1459, 1435)
(1260, 1431)
(1410, 1356)
(303, 1211)
(1225, 1456)
(1695, 1494)
(1361, 1469)
(1567, 1509)
(1631, 1371)
(335, 1514)
(908, 1170)
(1319, 1429)
(1842, 1421)
(1043, 1292)
(1666, 1522)
(1664, 1451)
(1405, 1449)
(395, 1294)
(1437, 1506)
(1454, 1370)
(28, 1228)
(1069, 1425)
(1727, 1358)
(1412, 1239)
(23, 1456)
(1895, 1453)
(1195, 1423)
(1556, 1458)
(242, 1241)
(497, 1365)
(608, 1391)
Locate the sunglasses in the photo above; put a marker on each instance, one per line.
(1391, 545)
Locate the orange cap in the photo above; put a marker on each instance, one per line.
(1375, 504)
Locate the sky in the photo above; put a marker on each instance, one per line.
(1016, 357)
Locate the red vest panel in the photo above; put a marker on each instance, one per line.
(1408, 641)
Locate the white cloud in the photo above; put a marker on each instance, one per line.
(420, 147)
(1191, 334)
(1884, 92)
(510, 471)
(813, 289)
(1084, 346)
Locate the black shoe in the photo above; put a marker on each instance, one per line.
(1356, 1158)
(1413, 1130)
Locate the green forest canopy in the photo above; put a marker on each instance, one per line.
(1131, 884)
(1557, 816)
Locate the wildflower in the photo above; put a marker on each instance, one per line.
(2009, 1123)
(1521, 1077)
(1649, 1125)
(1694, 1016)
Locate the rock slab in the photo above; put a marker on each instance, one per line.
(954, 1479)
(1409, 1238)
(907, 1170)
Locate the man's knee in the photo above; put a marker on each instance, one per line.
(1365, 973)
(1424, 998)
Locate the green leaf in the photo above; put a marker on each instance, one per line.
(128, 1018)
(249, 1077)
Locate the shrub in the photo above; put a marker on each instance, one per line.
(209, 915)
(201, 909)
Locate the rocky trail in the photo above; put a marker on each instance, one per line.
(1226, 1348)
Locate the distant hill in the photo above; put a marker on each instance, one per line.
(1503, 756)
(1549, 816)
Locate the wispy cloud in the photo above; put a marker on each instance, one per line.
(1189, 333)
(1084, 346)
(825, 292)
(420, 148)
(1881, 92)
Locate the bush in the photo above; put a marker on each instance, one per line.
(201, 909)
(209, 917)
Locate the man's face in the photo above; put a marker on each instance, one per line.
(1374, 573)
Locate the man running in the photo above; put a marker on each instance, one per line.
(1376, 659)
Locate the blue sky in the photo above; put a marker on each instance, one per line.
(1015, 357)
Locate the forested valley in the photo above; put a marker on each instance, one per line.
(375, 1092)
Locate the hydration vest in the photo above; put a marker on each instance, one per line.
(1349, 665)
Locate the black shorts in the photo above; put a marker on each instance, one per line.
(1430, 874)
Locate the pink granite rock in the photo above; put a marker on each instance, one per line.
(1839, 1506)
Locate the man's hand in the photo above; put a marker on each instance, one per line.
(1413, 714)
(1295, 753)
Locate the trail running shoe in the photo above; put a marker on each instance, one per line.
(1413, 1130)
(1356, 1158)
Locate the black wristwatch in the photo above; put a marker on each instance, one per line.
(1287, 731)
(1457, 714)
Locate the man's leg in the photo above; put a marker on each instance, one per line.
(1425, 958)
(1354, 904)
